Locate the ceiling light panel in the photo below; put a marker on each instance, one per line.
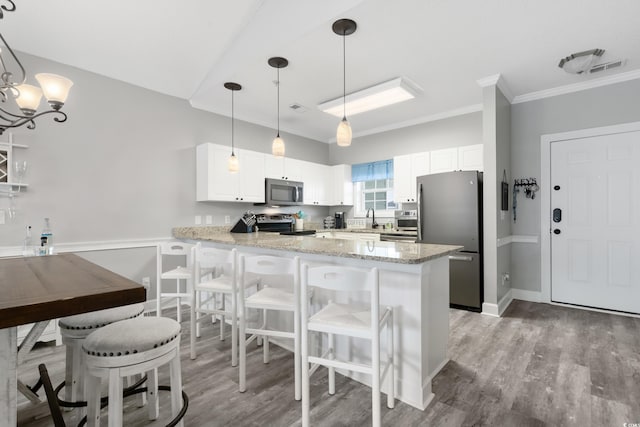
(374, 97)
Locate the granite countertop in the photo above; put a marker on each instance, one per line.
(396, 252)
(379, 230)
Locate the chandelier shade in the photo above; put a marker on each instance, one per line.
(13, 78)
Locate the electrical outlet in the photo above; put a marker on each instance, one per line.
(505, 278)
(146, 282)
(227, 219)
(208, 220)
(198, 219)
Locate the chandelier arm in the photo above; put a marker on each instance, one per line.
(11, 8)
(22, 71)
(29, 120)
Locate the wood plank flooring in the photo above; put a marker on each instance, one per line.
(539, 365)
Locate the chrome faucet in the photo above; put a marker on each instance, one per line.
(374, 224)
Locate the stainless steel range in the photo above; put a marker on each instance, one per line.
(407, 220)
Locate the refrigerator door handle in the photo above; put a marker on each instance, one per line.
(419, 213)
(460, 258)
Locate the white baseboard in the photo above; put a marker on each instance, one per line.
(524, 295)
(496, 310)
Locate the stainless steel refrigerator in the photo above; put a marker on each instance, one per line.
(450, 212)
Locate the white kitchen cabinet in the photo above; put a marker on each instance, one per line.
(444, 160)
(342, 192)
(405, 171)
(318, 181)
(283, 168)
(214, 182)
(470, 158)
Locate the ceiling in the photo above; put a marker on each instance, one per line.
(189, 49)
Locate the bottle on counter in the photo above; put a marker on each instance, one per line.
(27, 245)
(46, 239)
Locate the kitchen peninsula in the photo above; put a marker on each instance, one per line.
(414, 279)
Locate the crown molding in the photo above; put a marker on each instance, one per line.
(419, 120)
(497, 80)
(576, 87)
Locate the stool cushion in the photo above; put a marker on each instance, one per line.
(131, 336)
(98, 319)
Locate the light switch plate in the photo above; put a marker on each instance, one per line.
(227, 219)
(198, 219)
(208, 220)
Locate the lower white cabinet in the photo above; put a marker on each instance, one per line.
(214, 182)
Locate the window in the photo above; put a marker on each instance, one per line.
(375, 194)
(373, 188)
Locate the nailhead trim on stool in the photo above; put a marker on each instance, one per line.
(98, 319)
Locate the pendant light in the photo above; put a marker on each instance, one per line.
(233, 164)
(277, 147)
(344, 27)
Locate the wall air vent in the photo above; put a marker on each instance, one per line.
(297, 108)
(607, 66)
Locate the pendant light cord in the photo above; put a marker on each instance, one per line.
(344, 77)
(232, 153)
(278, 87)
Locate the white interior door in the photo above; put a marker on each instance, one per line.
(595, 258)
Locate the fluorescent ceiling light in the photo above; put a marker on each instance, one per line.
(378, 96)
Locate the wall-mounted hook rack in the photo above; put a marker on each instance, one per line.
(529, 186)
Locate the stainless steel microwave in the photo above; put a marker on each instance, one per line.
(280, 192)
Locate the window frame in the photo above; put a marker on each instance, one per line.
(359, 199)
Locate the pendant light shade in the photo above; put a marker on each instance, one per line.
(344, 27)
(233, 165)
(343, 136)
(277, 146)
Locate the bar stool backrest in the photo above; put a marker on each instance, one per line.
(216, 260)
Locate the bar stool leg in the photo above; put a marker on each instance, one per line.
(193, 328)
(242, 386)
(115, 398)
(265, 339)
(176, 385)
(152, 394)
(304, 350)
(331, 339)
(297, 361)
(178, 314)
(234, 330)
(93, 386)
(222, 319)
(375, 380)
(390, 357)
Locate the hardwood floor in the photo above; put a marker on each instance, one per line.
(539, 365)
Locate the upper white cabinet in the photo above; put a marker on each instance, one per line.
(342, 192)
(405, 170)
(283, 168)
(318, 182)
(470, 158)
(214, 182)
(444, 160)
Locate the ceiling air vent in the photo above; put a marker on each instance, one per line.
(607, 66)
(297, 108)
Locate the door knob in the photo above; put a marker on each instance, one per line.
(556, 231)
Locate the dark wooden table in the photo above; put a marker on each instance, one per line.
(38, 289)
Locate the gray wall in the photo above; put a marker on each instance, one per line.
(447, 133)
(604, 106)
(123, 165)
(503, 163)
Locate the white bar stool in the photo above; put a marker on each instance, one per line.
(127, 348)
(74, 330)
(173, 249)
(351, 320)
(266, 299)
(215, 274)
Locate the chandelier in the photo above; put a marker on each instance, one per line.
(13, 86)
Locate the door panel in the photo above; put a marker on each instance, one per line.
(594, 246)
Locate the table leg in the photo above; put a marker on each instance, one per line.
(8, 375)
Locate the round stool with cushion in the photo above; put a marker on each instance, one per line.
(127, 348)
(74, 329)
